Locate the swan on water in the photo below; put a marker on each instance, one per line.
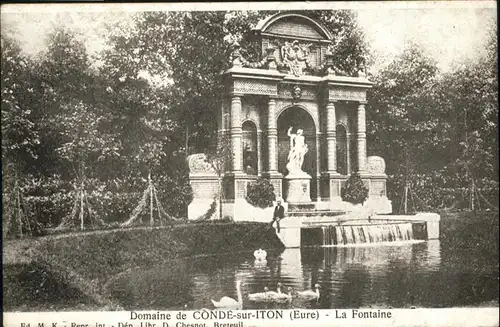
(230, 303)
(284, 297)
(309, 294)
(276, 294)
(260, 254)
(259, 297)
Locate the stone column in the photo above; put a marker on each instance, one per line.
(361, 137)
(318, 166)
(348, 137)
(272, 149)
(331, 137)
(272, 136)
(259, 152)
(331, 144)
(236, 133)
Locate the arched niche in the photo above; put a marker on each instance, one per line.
(342, 150)
(297, 118)
(249, 142)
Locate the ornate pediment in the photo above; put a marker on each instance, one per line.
(297, 45)
(293, 44)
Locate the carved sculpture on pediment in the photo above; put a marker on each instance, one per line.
(295, 56)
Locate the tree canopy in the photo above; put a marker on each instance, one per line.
(438, 130)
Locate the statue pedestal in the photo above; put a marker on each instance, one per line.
(298, 188)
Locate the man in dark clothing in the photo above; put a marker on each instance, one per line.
(279, 213)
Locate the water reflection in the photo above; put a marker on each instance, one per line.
(396, 276)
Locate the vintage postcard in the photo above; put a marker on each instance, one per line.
(250, 164)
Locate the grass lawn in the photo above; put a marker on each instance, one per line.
(68, 271)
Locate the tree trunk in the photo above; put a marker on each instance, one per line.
(151, 221)
(18, 209)
(472, 200)
(187, 140)
(406, 198)
(220, 197)
(158, 206)
(81, 208)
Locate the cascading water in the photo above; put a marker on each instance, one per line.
(373, 233)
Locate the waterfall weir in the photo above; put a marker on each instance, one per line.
(370, 233)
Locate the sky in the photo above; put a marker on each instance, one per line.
(449, 31)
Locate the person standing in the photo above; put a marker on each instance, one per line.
(279, 213)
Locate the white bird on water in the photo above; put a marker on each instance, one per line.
(259, 297)
(309, 294)
(230, 303)
(272, 296)
(284, 297)
(277, 293)
(260, 255)
(279, 296)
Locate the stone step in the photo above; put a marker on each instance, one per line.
(301, 207)
(315, 213)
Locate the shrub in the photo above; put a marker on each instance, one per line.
(228, 219)
(354, 190)
(260, 193)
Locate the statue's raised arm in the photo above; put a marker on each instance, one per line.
(292, 137)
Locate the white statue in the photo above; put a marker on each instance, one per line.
(298, 149)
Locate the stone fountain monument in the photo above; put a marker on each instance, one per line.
(296, 82)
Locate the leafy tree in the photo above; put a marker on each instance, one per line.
(85, 145)
(152, 142)
(19, 133)
(61, 75)
(352, 51)
(402, 119)
(220, 160)
(20, 137)
(405, 123)
(471, 94)
(436, 130)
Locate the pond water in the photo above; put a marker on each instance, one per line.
(429, 274)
